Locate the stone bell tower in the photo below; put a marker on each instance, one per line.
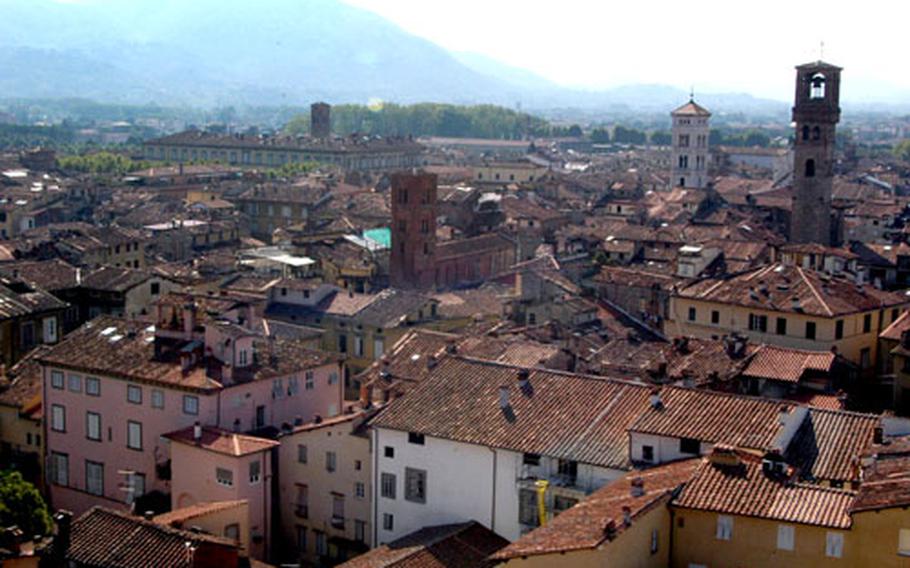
(816, 112)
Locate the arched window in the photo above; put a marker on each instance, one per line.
(810, 168)
(816, 132)
(817, 86)
(806, 132)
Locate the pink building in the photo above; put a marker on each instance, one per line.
(225, 466)
(114, 388)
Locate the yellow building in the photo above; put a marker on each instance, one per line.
(507, 172)
(788, 306)
(731, 509)
(325, 477)
(21, 443)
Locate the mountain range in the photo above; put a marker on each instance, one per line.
(210, 53)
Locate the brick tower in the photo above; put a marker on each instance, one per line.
(413, 259)
(815, 112)
(320, 120)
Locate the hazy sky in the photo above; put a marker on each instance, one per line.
(715, 45)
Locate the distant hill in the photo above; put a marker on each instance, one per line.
(269, 52)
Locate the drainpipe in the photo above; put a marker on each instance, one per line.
(493, 505)
(376, 488)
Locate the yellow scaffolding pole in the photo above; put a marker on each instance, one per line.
(542, 485)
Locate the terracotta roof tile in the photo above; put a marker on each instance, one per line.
(588, 524)
(465, 545)
(102, 537)
(179, 516)
(222, 441)
(561, 415)
(829, 444)
(789, 365)
(745, 490)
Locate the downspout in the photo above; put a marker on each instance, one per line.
(376, 488)
(493, 505)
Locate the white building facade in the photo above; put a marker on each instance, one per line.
(689, 148)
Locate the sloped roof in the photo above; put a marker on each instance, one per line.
(745, 490)
(691, 108)
(222, 441)
(829, 444)
(562, 415)
(789, 365)
(463, 545)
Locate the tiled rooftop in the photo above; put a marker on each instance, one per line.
(788, 365)
(222, 441)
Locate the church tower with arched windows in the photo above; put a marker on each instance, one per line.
(689, 147)
(816, 112)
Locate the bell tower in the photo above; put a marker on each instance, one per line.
(412, 262)
(816, 112)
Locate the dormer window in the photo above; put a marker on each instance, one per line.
(817, 87)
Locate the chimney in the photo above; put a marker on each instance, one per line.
(431, 362)
(317, 419)
(197, 432)
(524, 378)
(655, 400)
(637, 487)
(451, 348)
(724, 456)
(503, 397)
(189, 319)
(626, 515)
(148, 515)
(878, 435)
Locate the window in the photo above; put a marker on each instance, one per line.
(157, 398)
(647, 453)
(255, 472)
(134, 394)
(134, 435)
(865, 358)
(357, 465)
(308, 380)
(527, 508)
(333, 378)
(834, 544)
(389, 452)
(27, 332)
(224, 477)
(242, 358)
(342, 343)
(781, 326)
(387, 485)
(93, 386)
(378, 347)
(715, 317)
(388, 522)
(415, 438)
(190, 404)
(137, 484)
(724, 527)
(415, 485)
(561, 503)
(360, 490)
(94, 477)
(58, 418)
(301, 453)
(337, 508)
(232, 531)
(50, 330)
(531, 459)
(60, 468)
(758, 323)
(74, 383)
(360, 531)
(810, 168)
(301, 539)
(56, 379)
(330, 461)
(785, 537)
(302, 505)
(567, 469)
(810, 330)
(689, 446)
(867, 323)
(692, 314)
(358, 346)
(93, 426)
(155, 288)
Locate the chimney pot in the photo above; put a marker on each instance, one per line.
(148, 515)
(626, 515)
(503, 397)
(197, 432)
(637, 487)
(655, 399)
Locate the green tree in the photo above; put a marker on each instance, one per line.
(624, 135)
(902, 150)
(575, 131)
(22, 505)
(661, 138)
(600, 136)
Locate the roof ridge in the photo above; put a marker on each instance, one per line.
(812, 289)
